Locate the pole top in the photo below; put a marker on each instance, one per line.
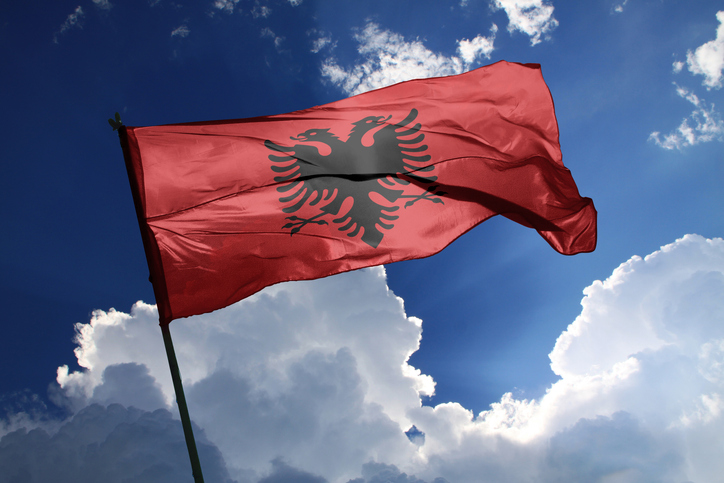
(116, 123)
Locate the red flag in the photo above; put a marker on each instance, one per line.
(227, 208)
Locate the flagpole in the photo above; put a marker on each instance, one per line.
(178, 387)
(182, 408)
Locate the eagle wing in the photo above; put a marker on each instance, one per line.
(300, 168)
(398, 146)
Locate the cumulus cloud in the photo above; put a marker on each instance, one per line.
(316, 371)
(636, 396)
(532, 17)
(472, 50)
(111, 444)
(309, 382)
(388, 59)
(129, 384)
(642, 346)
(382, 473)
(708, 59)
(704, 124)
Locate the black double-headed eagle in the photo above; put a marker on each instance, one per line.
(374, 176)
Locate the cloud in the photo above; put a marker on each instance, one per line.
(73, 20)
(260, 11)
(129, 384)
(708, 59)
(283, 473)
(704, 124)
(642, 346)
(269, 33)
(471, 50)
(619, 447)
(103, 4)
(309, 382)
(636, 398)
(316, 371)
(381, 473)
(227, 6)
(388, 59)
(111, 444)
(618, 8)
(532, 17)
(322, 42)
(181, 31)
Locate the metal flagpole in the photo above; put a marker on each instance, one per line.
(178, 387)
(182, 409)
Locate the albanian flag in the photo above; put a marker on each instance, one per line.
(227, 208)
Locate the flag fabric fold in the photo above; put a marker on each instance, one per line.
(227, 208)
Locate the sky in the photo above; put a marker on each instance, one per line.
(497, 359)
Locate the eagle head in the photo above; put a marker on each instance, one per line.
(321, 135)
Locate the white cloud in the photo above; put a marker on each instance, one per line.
(389, 59)
(227, 6)
(472, 50)
(295, 3)
(73, 20)
(708, 59)
(260, 11)
(704, 124)
(322, 40)
(103, 4)
(618, 8)
(638, 359)
(532, 17)
(315, 370)
(269, 33)
(677, 66)
(308, 382)
(321, 43)
(181, 31)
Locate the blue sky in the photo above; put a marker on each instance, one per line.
(601, 365)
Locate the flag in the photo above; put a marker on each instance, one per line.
(227, 208)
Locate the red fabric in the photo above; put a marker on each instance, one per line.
(210, 196)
